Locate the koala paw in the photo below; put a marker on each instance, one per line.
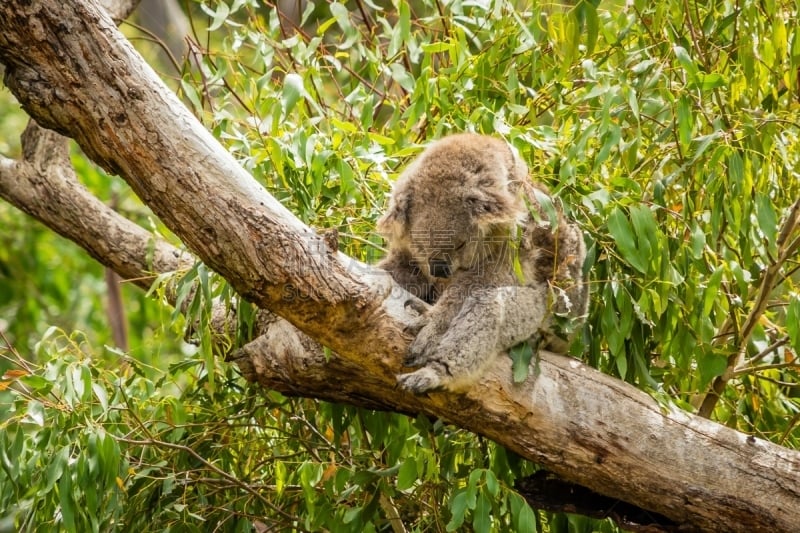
(416, 325)
(420, 381)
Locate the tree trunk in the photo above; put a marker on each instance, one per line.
(80, 77)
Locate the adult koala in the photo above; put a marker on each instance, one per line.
(468, 230)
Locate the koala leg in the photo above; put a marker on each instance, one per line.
(490, 321)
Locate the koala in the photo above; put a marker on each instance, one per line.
(470, 233)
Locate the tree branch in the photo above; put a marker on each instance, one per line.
(43, 184)
(80, 77)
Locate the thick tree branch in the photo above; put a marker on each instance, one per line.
(220, 212)
(80, 77)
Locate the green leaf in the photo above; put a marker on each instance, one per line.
(622, 233)
(458, 508)
(736, 169)
(523, 517)
(710, 365)
(647, 233)
(698, 241)
(793, 322)
(37, 383)
(621, 361)
(547, 206)
(35, 413)
(492, 486)
(592, 26)
(437, 47)
(473, 483)
(218, 17)
(767, 218)
(685, 123)
(407, 476)
(685, 61)
(101, 394)
(67, 502)
(341, 15)
(280, 476)
(711, 292)
(383, 140)
(611, 326)
(521, 355)
(55, 470)
(402, 77)
(481, 521)
(351, 514)
(779, 38)
(708, 82)
(292, 92)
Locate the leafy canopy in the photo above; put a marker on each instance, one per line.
(668, 131)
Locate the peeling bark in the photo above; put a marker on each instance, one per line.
(80, 77)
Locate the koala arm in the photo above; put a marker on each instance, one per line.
(431, 326)
(406, 272)
(491, 320)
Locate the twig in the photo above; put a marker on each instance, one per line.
(765, 352)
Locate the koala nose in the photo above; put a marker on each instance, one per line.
(440, 268)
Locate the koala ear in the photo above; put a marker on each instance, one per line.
(395, 221)
(491, 206)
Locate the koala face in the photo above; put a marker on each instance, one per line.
(456, 205)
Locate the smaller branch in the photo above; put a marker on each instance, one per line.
(18, 360)
(753, 369)
(44, 185)
(392, 514)
(155, 39)
(748, 365)
(789, 384)
(789, 427)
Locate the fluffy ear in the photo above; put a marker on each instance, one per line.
(394, 222)
(492, 206)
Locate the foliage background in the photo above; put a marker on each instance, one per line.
(667, 129)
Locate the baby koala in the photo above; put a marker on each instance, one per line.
(468, 231)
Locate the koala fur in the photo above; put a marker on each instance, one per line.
(468, 230)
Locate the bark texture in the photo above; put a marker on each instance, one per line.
(80, 77)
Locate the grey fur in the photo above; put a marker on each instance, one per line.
(468, 230)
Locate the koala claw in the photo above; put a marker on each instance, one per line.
(420, 381)
(417, 306)
(414, 359)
